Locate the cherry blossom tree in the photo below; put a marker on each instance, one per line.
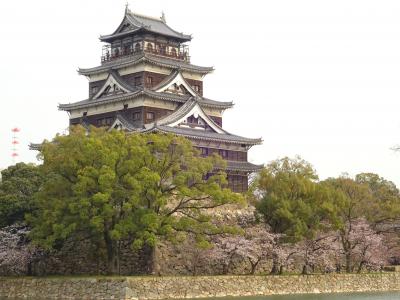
(316, 253)
(369, 250)
(257, 243)
(16, 255)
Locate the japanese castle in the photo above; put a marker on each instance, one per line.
(146, 83)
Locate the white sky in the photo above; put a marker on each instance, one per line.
(315, 78)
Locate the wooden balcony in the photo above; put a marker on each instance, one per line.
(110, 54)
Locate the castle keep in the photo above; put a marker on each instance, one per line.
(146, 83)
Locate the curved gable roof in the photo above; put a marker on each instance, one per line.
(134, 22)
(145, 58)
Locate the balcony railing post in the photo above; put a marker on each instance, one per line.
(110, 54)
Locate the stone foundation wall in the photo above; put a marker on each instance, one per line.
(151, 288)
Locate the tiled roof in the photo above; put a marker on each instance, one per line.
(184, 111)
(242, 166)
(146, 23)
(179, 113)
(204, 135)
(166, 80)
(142, 91)
(135, 59)
(35, 146)
(128, 125)
(121, 81)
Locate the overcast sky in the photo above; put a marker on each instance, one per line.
(319, 79)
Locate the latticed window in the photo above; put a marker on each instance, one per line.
(150, 116)
(237, 183)
(204, 151)
(95, 89)
(223, 153)
(136, 115)
(173, 52)
(104, 121)
(138, 80)
(137, 47)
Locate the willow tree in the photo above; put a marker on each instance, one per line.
(112, 187)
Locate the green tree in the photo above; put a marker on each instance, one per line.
(292, 203)
(369, 196)
(385, 206)
(112, 187)
(18, 185)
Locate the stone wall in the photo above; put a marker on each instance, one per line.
(65, 288)
(82, 259)
(151, 288)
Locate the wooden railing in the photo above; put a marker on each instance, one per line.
(109, 55)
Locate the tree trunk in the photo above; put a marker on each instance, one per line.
(360, 266)
(253, 266)
(275, 265)
(154, 263)
(195, 261)
(348, 262)
(304, 271)
(112, 260)
(112, 255)
(281, 269)
(338, 268)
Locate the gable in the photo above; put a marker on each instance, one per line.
(178, 85)
(196, 118)
(111, 87)
(127, 24)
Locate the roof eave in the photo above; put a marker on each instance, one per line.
(111, 37)
(248, 142)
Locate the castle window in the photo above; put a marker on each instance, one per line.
(95, 89)
(223, 153)
(162, 49)
(196, 88)
(136, 115)
(85, 113)
(149, 47)
(173, 52)
(149, 80)
(104, 121)
(137, 47)
(138, 81)
(127, 49)
(150, 116)
(125, 106)
(204, 151)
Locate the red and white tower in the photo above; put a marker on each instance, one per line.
(15, 143)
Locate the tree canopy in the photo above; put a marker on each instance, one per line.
(18, 185)
(369, 197)
(291, 202)
(113, 186)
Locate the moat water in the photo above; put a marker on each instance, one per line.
(340, 296)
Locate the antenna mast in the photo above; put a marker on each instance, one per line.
(15, 142)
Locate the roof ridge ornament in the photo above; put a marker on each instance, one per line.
(127, 10)
(163, 17)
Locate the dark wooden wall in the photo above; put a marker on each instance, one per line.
(126, 113)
